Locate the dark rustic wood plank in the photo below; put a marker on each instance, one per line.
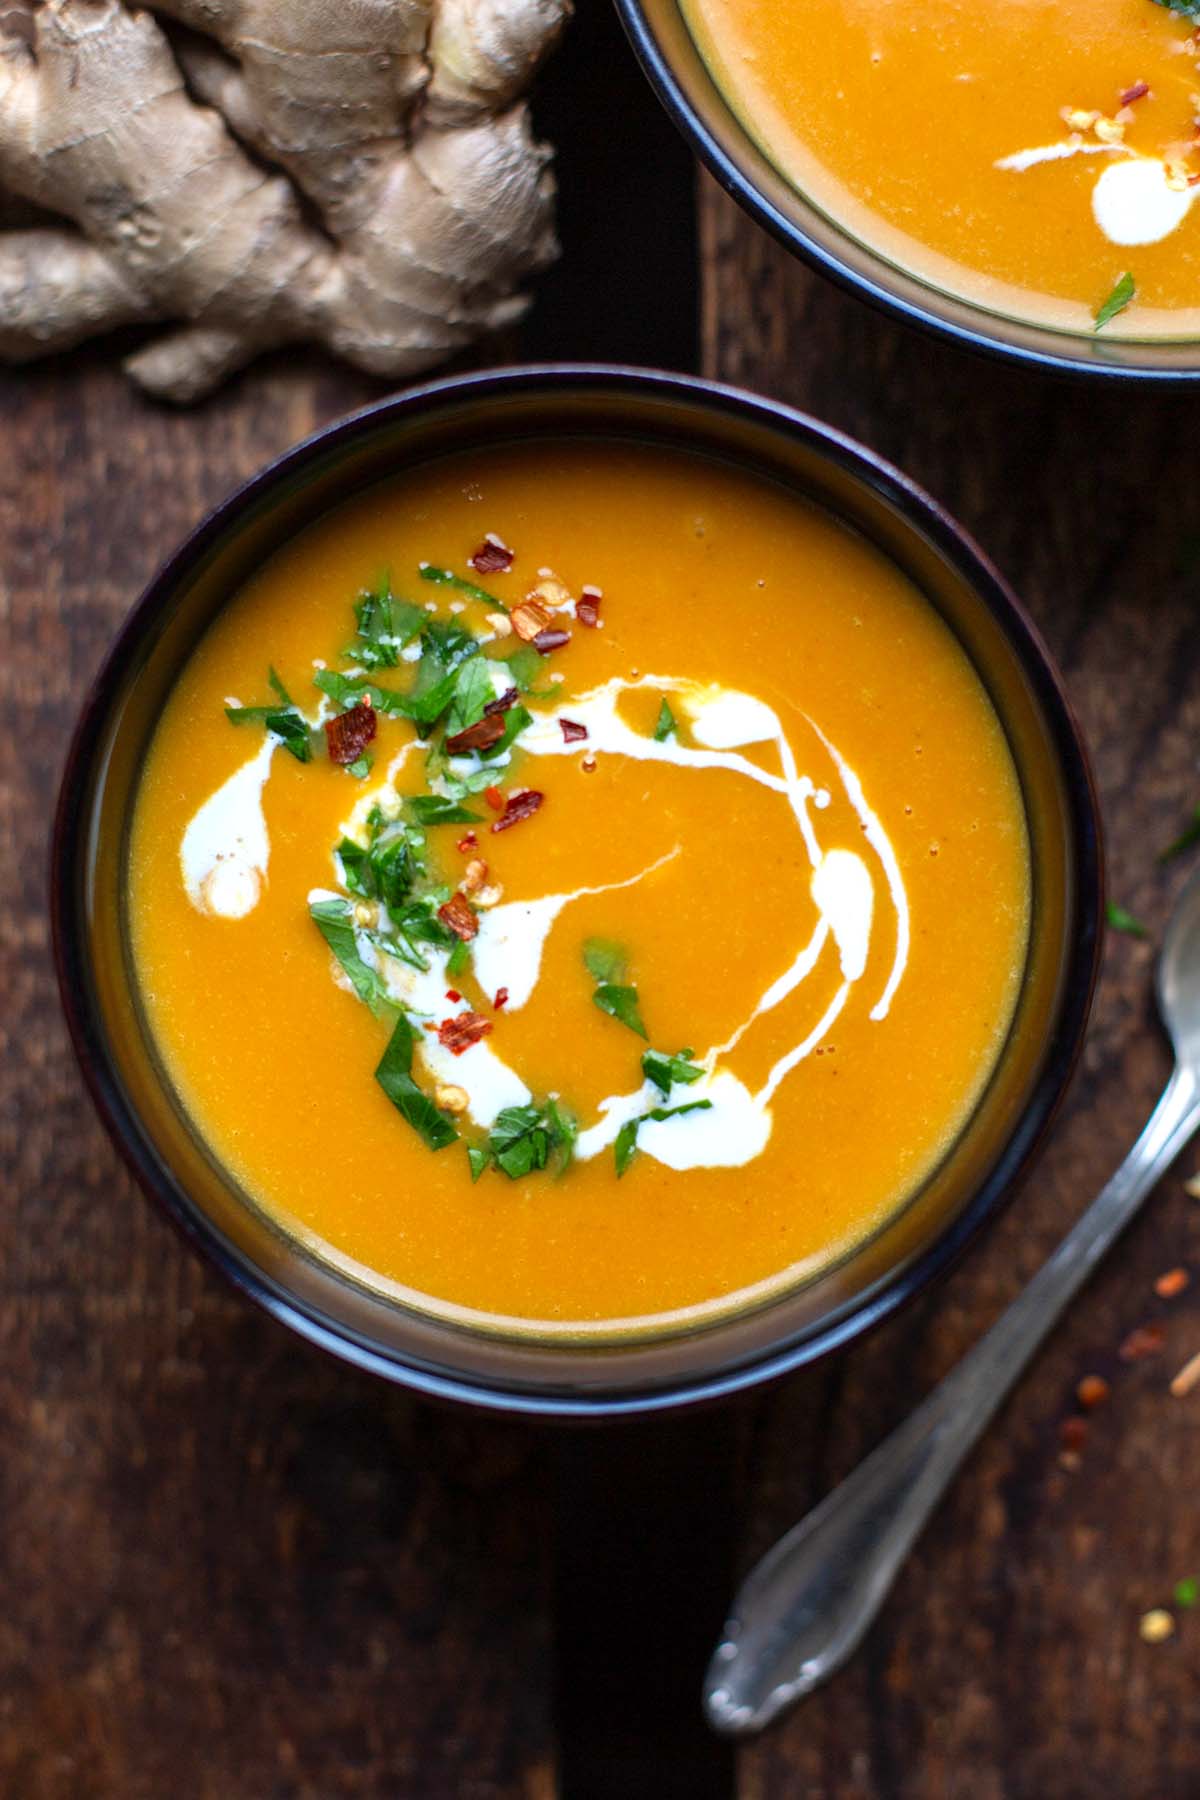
(1009, 1662)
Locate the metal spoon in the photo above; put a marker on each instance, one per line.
(808, 1604)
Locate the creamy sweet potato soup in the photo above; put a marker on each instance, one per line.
(578, 883)
(1037, 156)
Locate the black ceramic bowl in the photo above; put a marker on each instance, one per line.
(680, 76)
(549, 1376)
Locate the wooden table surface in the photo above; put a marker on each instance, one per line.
(232, 1569)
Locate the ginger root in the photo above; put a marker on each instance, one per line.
(355, 173)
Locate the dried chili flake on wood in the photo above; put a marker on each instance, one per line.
(463, 1030)
(573, 732)
(550, 640)
(494, 798)
(1138, 91)
(480, 736)
(458, 916)
(1143, 1340)
(1092, 1391)
(587, 608)
(492, 557)
(501, 1000)
(501, 703)
(517, 807)
(349, 733)
(1073, 1432)
(1172, 1283)
(528, 619)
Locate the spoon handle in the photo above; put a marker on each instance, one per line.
(807, 1605)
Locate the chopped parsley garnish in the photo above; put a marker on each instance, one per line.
(282, 718)
(360, 768)
(385, 626)
(334, 919)
(525, 1138)
(437, 809)
(472, 691)
(1187, 9)
(447, 578)
(1188, 836)
(459, 957)
(626, 1144)
(1123, 292)
(386, 869)
(1120, 920)
(526, 668)
(607, 964)
(664, 1071)
(394, 1076)
(666, 726)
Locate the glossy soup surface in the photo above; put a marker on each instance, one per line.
(817, 883)
(903, 122)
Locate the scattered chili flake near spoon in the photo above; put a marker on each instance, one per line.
(1172, 1283)
(1143, 1340)
(1092, 1391)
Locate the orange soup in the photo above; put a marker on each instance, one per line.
(1039, 157)
(577, 884)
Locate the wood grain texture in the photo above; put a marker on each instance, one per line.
(1008, 1665)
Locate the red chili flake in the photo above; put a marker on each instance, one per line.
(573, 732)
(552, 639)
(429, 1025)
(1172, 1283)
(1138, 91)
(517, 807)
(501, 703)
(463, 1030)
(453, 996)
(459, 917)
(494, 798)
(467, 842)
(1144, 1340)
(1072, 1432)
(1092, 1391)
(492, 557)
(501, 999)
(528, 619)
(480, 736)
(587, 608)
(349, 733)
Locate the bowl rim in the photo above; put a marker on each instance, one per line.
(991, 343)
(72, 819)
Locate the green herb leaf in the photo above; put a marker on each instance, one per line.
(1187, 9)
(1120, 297)
(1187, 1592)
(478, 1159)
(473, 691)
(526, 668)
(282, 718)
(524, 1138)
(277, 687)
(1189, 836)
(564, 1130)
(395, 1078)
(360, 768)
(447, 578)
(605, 960)
(334, 919)
(436, 809)
(626, 1142)
(1120, 920)
(664, 1071)
(515, 721)
(459, 957)
(621, 1003)
(385, 625)
(666, 726)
